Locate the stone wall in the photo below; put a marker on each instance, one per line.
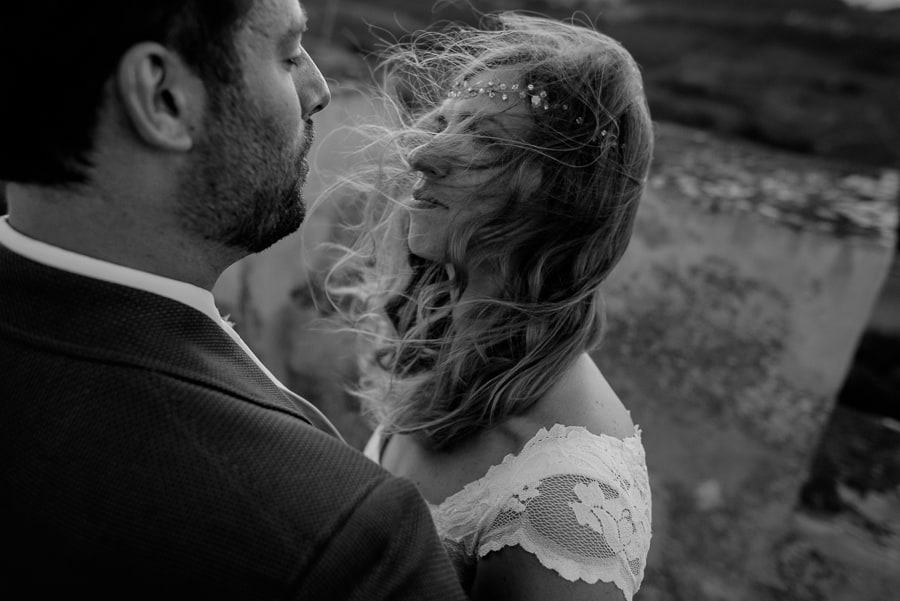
(732, 321)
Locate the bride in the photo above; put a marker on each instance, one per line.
(505, 196)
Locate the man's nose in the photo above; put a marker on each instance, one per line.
(313, 91)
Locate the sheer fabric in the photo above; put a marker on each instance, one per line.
(577, 501)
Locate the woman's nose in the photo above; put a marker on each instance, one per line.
(429, 163)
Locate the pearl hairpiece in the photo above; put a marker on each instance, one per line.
(504, 91)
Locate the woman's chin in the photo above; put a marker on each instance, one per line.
(424, 246)
(423, 251)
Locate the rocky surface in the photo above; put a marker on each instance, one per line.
(847, 526)
(719, 174)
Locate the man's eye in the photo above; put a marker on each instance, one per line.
(297, 59)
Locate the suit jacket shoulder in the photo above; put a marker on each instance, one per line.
(145, 454)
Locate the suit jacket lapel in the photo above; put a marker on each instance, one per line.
(113, 323)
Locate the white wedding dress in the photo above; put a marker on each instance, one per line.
(577, 501)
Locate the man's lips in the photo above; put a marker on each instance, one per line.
(308, 139)
(302, 163)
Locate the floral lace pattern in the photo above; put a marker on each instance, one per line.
(577, 501)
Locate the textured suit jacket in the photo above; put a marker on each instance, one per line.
(145, 455)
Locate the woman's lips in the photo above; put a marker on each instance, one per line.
(420, 201)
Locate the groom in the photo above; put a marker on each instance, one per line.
(146, 453)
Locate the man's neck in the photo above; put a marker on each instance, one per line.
(86, 224)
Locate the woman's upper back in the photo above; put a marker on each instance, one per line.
(582, 397)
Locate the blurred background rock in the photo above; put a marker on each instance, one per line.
(754, 324)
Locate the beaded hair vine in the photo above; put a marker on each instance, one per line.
(492, 89)
(538, 100)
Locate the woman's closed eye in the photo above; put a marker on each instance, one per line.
(486, 137)
(437, 124)
(484, 131)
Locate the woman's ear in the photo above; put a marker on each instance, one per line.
(160, 96)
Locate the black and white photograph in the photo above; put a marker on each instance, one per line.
(454, 300)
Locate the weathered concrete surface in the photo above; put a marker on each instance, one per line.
(732, 321)
(731, 328)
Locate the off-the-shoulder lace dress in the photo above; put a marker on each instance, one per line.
(578, 501)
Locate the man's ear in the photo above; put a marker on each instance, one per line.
(160, 96)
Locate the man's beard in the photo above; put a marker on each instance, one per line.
(243, 186)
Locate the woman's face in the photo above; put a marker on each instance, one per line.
(457, 167)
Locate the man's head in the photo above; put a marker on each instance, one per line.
(243, 185)
(214, 95)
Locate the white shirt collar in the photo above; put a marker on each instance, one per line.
(66, 260)
(182, 292)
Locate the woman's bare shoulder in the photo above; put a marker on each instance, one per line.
(582, 397)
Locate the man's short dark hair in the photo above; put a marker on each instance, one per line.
(56, 55)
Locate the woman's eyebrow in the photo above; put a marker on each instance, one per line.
(490, 119)
(479, 119)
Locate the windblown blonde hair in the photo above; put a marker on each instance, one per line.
(551, 244)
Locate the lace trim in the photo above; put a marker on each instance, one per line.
(568, 569)
(631, 445)
(467, 518)
(579, 527)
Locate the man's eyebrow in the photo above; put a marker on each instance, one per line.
(296, 28)
(294, 31)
